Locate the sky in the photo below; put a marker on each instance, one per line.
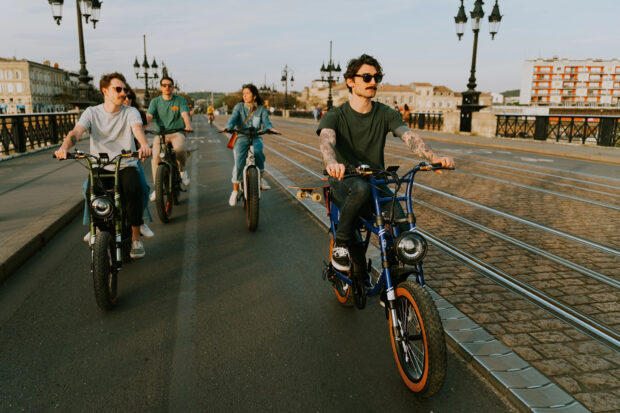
(219, 45)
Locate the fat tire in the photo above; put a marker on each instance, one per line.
(105, 273)
(412, 296)
(343, 291)
(251, 210)
(163, 196)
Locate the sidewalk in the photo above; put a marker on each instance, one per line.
(565, 150)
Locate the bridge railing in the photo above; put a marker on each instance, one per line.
(20, 133)
(426, 121)
(605, 130)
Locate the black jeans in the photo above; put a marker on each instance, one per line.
(131, 193)
(354, 198)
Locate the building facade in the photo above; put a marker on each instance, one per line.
(30, 87)
(419, 97)
(564, 82)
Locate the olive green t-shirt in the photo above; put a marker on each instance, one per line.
(167, 113)
(360, 137)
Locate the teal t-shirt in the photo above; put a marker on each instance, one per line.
(167, 113)
(360, 137)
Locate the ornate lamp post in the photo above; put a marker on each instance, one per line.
(87, 9)
(287, 76)
(330, 74)
(146, 73)
(471, 97)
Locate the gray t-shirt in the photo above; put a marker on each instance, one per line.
(111, 132)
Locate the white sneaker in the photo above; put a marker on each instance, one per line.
(185, 178)
(232, 201)
(146, 231)
(87, 237)
(153, 196)
(264, 185)
(137, 249)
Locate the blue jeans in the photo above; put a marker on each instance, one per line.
(241, 152)
(146, 190)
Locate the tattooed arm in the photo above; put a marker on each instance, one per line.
(70, 141)
(327, 142)
(415, 143)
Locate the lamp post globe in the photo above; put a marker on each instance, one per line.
(471, 97)
(56, 6)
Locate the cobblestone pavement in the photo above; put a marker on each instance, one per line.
(583, 367)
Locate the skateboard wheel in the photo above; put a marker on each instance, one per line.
(300, 195)
(316, 197)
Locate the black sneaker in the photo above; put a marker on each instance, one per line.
(340, 257)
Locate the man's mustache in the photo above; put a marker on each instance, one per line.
(371, 87)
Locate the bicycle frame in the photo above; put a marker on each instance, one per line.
(250, 162)
(118, 213)
(378, 228)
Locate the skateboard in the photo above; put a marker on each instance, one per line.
(311, 190)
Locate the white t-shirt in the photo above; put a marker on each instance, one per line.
(111, 132)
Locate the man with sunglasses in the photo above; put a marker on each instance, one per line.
(111, 126)
(354, 134)
(169, 111)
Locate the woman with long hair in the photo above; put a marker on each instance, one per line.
(249, 112)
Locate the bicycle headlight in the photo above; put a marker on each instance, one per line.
(101, 207)
(410, 247)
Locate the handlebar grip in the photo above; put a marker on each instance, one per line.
(69, 156)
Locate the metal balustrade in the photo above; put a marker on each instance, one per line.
(427, 121)
(20, 133)
(605, 130)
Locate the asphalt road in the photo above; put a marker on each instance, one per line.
(214, 318)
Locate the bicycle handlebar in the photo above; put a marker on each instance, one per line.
(81, 155)
(260, 132)
(167, 131)
(366, 170)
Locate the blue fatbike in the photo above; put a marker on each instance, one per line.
(416, 331)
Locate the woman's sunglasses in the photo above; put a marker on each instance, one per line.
(366, 77)
(130, 97)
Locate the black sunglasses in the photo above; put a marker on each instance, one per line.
(120, 89)
(367, 77)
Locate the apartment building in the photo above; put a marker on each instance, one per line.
(30, 87)
(564, 82)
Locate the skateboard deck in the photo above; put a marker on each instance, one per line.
(311, 190)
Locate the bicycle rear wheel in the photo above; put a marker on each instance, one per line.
(164, 199)
(418, 341)
(251, 207)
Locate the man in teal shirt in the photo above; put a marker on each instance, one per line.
(169, 111)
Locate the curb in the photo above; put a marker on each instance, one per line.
(526, 388)
(26, 242)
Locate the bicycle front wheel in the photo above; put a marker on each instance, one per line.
(417, 340)
(251, 208)
(163, 193)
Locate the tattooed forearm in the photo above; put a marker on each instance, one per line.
(417, 145)
(327, 140)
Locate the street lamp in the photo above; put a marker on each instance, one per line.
(471, 97)
(86, 9)
(330, 74)
(146, 73)
(287, 76)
